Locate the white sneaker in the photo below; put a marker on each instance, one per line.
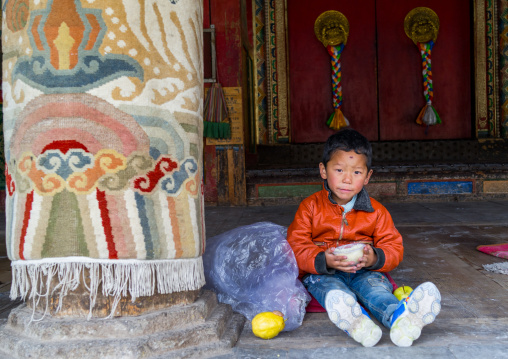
(345, 312)
(413, 313)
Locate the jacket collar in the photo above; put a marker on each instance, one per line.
(362, 202)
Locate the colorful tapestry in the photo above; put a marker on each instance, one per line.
(103, 142)
(503, 68)
(260, 84)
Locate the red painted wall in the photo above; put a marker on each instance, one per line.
(225, 16)
(206, 14)
(381, 71)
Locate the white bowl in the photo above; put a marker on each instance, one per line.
(353, 251)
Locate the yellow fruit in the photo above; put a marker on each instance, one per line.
(267, 325)
(402, 292)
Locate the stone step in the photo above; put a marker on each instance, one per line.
(208, 332)
(56, 328)
(219, 349)
(6, 304)
(216, 334)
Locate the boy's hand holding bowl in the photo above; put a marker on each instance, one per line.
(353, 251)
(350, 257)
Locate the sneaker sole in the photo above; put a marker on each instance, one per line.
(422, 308)
(345, 312)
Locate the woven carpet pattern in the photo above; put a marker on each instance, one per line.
(103, 128)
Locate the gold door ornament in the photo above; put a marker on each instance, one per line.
(332, 29)
(422, 26)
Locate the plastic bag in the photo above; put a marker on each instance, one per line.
(253, 268)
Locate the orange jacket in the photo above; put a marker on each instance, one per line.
(320, 223)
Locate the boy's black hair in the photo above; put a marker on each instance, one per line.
(347, 140)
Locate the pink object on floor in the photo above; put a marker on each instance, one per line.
(496, 250)
(395, 286)
(315, 307)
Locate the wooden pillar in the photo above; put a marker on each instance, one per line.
(103, 131)
(78, 303)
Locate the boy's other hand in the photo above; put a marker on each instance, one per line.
(340, 262)
(369, 257)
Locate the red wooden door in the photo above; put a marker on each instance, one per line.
(310, 70)
(400, 67)
(381, 71)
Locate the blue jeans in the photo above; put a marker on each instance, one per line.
(371, 289)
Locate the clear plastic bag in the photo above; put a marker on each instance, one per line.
(253, 268)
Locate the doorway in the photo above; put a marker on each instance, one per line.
(382, 81)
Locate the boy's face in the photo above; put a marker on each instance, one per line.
(346, 174)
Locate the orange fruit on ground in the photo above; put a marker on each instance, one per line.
(268, 325)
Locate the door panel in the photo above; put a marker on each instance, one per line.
(310, 70)
(400, 72)
(381, 71)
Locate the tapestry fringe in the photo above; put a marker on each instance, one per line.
(31, 279)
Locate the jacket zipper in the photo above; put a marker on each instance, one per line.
(342, 223)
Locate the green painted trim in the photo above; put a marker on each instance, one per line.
(276, 191)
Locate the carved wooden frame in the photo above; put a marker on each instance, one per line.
(486, 73)
(490, 116)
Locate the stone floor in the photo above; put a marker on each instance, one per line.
(440, 245)
(440, 242)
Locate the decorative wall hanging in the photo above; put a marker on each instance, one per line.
(422, 26)
(332, 29)
(216, 118)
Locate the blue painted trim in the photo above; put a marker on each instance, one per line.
(444, 187)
